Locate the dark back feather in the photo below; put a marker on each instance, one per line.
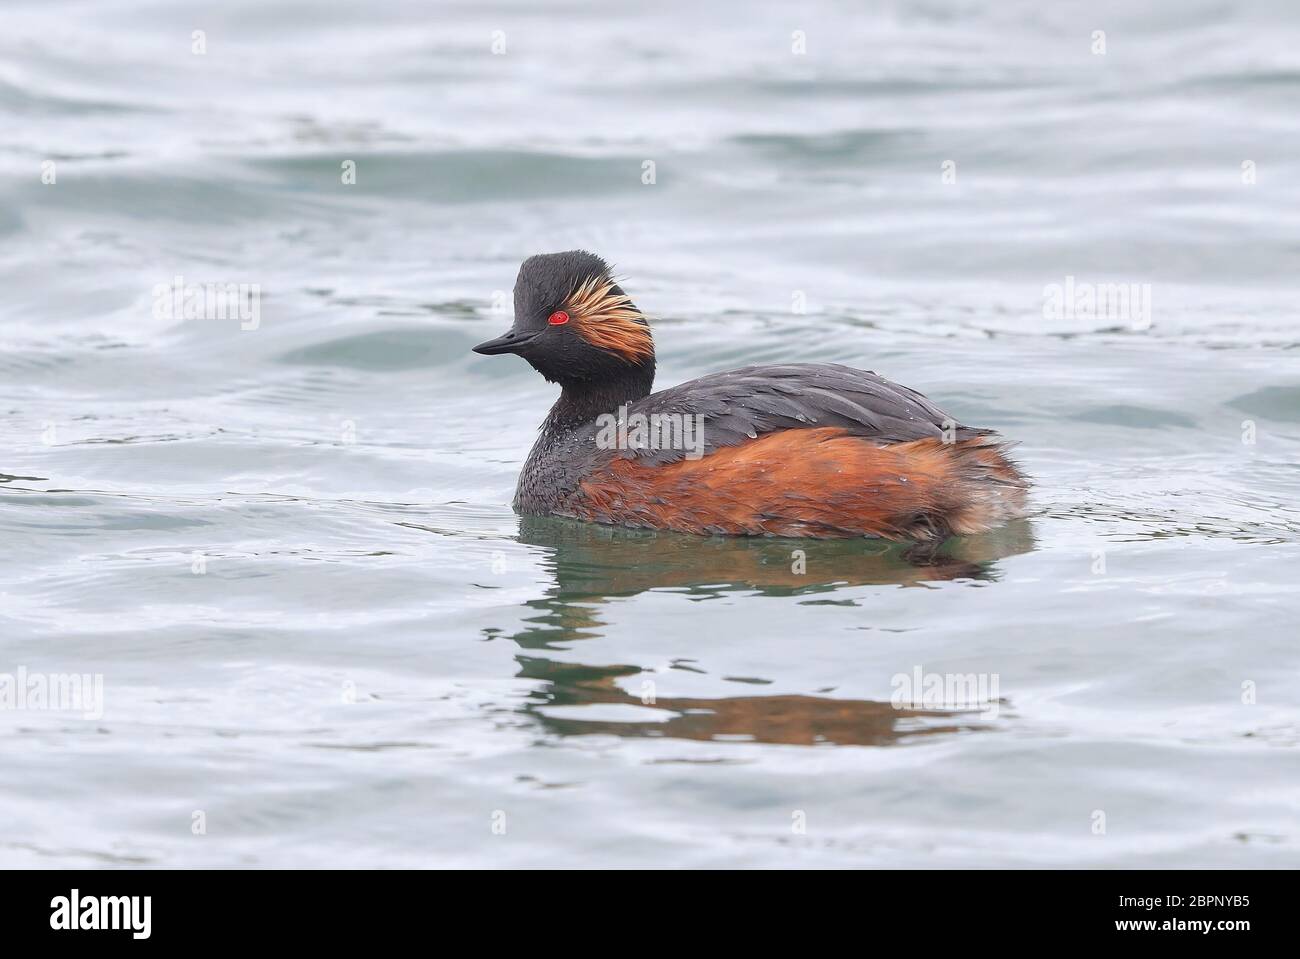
(739, 405)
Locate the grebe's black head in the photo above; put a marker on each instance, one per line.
(575, 325)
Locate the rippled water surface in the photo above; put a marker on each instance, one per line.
(324, 637)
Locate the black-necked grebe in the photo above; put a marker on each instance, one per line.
(803, 449)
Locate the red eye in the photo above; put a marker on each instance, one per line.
(558, 318)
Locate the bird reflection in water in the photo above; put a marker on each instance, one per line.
(591, 564)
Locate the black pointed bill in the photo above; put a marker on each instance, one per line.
(512, 342)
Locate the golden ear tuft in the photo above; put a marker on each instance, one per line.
(608, 320)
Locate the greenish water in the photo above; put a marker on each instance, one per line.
(288, 551)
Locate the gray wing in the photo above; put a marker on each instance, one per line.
(739, 405)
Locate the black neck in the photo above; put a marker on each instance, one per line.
(581, 402)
